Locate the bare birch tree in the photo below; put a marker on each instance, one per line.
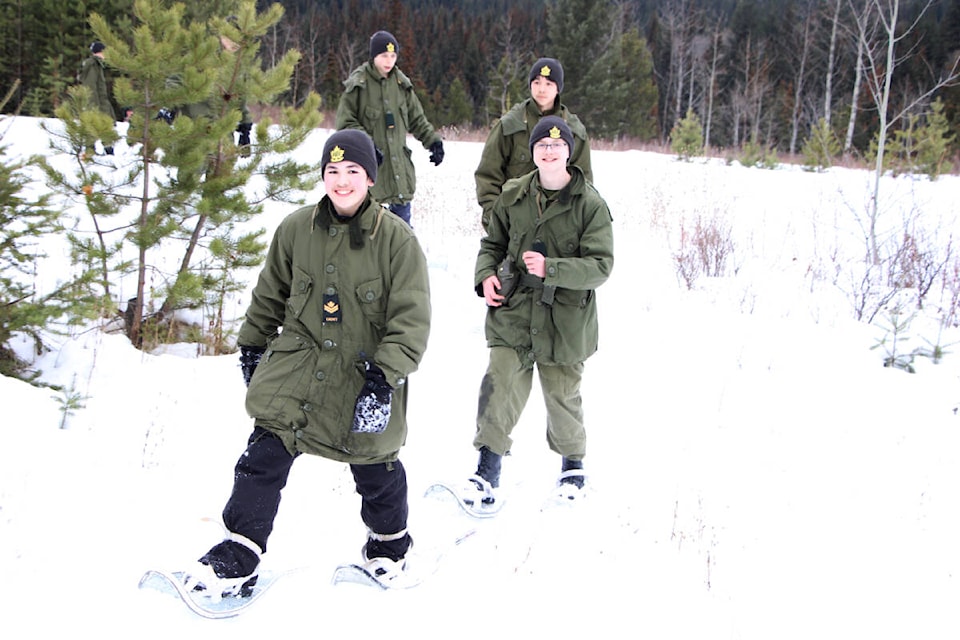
(831, 62)
(711, 87)
(802, 53)
(508, 72)
(881, 59)
(676, 17)
(864, 31)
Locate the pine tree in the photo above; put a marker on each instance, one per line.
(507, 85)
(821, 147)
(934, 142)
(190, 176)
(686, 138)
(457, 107)
(25, 310)
(580, 33)
(623, 94)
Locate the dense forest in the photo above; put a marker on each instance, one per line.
(761, 72)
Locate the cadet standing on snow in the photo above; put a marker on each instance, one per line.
(379, 99)
(93, 76)
(506, 153)
(550, 239)
(338, 320)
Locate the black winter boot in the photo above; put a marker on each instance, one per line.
(573, 478)
(394, 547)
(230, 559)
(228, 569)
(488, 467)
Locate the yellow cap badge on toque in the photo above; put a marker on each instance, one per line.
(555, 133)
(545, 71)
(336, 154)
(390, 47)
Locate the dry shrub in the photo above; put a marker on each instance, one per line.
(704, 250)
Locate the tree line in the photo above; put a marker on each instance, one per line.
(762, 72)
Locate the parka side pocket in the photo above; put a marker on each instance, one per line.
(300, 288)
(283, 381)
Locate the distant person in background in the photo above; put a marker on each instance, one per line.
(549, 245)
(93, 75)
(506, 153)
(211, 108)
(379, 99)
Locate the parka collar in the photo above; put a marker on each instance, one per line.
(362, 225)
(395, 74)
(530, 183)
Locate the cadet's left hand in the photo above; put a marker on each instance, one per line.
(436, 152)
(536, 263)
(371, 413)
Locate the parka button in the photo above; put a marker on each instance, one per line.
(307, 407)
(330, 268)
(331, 291)
(301, 286)
(534, 331)
(320, 375)
(333, 231)
(369, 295)
(552, 271)
(329, 344)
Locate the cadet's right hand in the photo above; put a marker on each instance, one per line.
(491, 286)
(249, 359)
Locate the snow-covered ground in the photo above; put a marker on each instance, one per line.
(755, 472)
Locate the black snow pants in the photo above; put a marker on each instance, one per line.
(261, 474)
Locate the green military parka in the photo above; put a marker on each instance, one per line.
(506, 153)
(93, 76)
(367, 100)
(322, 308)
(576, 228)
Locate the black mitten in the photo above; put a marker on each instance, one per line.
(371, 413)
(167, 115)
(249, 359)
(436, 152)
(508, 276)
(244, 138)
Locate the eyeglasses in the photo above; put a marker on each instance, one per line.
(549, 146)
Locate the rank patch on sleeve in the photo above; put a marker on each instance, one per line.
(331, 308)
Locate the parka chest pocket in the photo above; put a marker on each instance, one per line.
(372, 115)
(300, 288)
(569, 246)
(373, 302)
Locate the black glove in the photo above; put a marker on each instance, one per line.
(371, 414)
(244, 130)
(436, 152)
(244, 139)
(249, 359)
(167, 115)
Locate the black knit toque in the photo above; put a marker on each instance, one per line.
(550, 69)
(552, 127)
(383, 41)
(353, 145)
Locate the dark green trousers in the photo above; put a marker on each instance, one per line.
(504, 393)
